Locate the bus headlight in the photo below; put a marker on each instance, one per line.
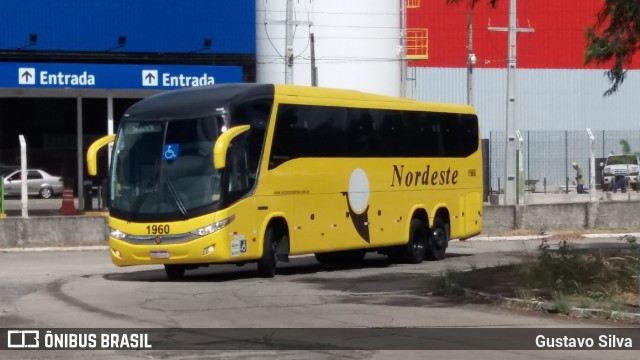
(216, 226)
(115, 233)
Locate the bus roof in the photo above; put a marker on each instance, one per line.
(371, 100)
(194, 102)
(203, 101)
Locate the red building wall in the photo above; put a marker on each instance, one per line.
(557, 43)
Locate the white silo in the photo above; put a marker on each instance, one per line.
(357, 43)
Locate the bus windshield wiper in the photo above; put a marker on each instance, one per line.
(176, 197)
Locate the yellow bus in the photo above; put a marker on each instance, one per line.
(241, 173)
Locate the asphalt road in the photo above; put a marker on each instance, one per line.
(82, 289)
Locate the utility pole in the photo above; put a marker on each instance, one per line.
(510, 126)
(471, 59)
(290, 25)
(314, 69)
(403, 48)
(288, 62)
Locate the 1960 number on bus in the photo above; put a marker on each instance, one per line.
(156, 229)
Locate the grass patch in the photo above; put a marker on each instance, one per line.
(561, 276)
(563, 236)
(451, 282)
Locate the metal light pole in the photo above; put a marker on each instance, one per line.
(23, 176)
(592, 166)
(403, 48)
(314, 68)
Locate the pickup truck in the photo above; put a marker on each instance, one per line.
(621, 165)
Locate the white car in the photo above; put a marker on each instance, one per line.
(621, 165)
(39, 183)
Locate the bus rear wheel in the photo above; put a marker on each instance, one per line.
(268, 261)
(174, 272)
(438, 240)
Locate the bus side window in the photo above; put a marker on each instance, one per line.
(420, 135)
(360, 133)
(237, 168)
(290, 137)
(391, 133)
(256, 114)
(326, 136)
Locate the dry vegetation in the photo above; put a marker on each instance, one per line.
(566, 277)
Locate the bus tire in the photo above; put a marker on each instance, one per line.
(268, 261)
(438, 239)
(414, 251)
(174, 272)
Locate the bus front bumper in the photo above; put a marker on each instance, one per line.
(205, 250)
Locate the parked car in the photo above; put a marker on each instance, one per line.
(39, 183)
(621, 165)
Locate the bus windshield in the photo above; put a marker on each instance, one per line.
(164, 169)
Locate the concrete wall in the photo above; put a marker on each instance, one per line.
(87, 230)
(618, 215)
(568, 216)
(53, 231)
(552, 217)
(498, 219)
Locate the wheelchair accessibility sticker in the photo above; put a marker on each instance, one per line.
(171, 151)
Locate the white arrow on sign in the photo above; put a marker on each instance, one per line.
(149, 77)
(26, 76)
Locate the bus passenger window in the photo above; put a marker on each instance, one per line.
(360, 135)
(391, 133)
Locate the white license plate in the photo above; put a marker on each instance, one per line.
(159, 254)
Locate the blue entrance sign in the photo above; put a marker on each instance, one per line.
(112, 76)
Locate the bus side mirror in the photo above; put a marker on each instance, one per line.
(222, 145)
(92, 162)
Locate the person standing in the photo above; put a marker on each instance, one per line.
(619, 183)
(579, 179)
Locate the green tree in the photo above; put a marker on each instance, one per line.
(626, 148)
(615, 37)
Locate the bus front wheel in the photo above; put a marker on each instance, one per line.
(267, 264)
(174, 272)
(438, 239)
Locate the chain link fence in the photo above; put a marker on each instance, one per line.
(546, 157)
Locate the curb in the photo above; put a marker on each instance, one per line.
(550, 307)
(540, 237)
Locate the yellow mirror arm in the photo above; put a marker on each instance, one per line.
(92, 153)
(222, 145)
